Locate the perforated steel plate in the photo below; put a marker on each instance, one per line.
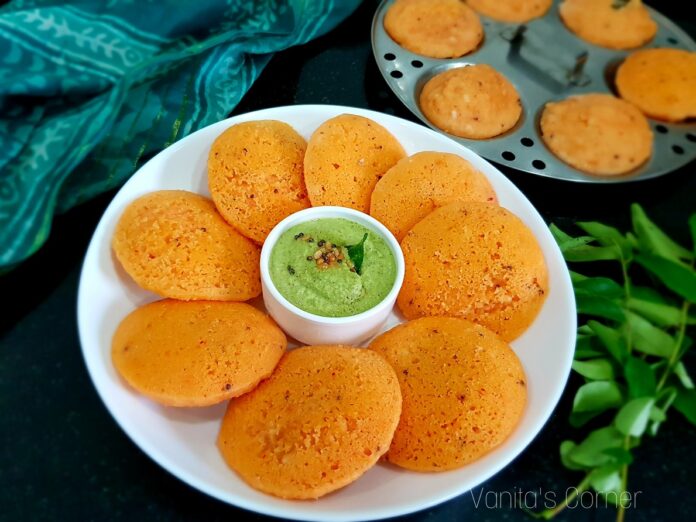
(541, 58)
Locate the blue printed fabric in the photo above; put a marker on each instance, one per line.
(90, 88)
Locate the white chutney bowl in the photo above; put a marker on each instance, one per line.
(311, 328)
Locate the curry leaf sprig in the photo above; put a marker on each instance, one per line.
(629, 351)
(356, 253)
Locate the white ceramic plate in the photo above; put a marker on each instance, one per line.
(183, 440)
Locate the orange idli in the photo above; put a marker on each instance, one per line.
(255, 175)
(345, 158)
(463, 391)
(175, 244)
(473, 101)
(323, 418)
(475, 261)
(515, 11)
(196, 353)
(660, 82)
(419, 184)
(434, 28)
(604, 23)
(597, 133)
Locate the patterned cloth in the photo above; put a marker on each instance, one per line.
(90, 89)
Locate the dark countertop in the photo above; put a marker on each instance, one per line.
(63, 457)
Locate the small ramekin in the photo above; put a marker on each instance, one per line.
(310, 328)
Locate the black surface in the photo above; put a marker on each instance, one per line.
(63, 457)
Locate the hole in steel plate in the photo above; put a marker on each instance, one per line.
(396, 74)
(661, 129)
(389, 56)
(538, 164)
(677, 149)
(417, 64)
(507, 155)
(527, 142)
(691, 137)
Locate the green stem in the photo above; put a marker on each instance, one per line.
(548, 514)
(627, 292)
(674, 357)
(629, 344)
(621, 513)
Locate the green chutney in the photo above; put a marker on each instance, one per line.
(311, 267)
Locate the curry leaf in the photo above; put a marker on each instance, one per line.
(692, 228)
(683, 376)
(648, 338)
(647, 293)
(588, 346)
(612, 339)
(642, 297)
(592, 253)
(606, 479)
(576, 278)
(566, 241)
(598, 306)
(578, 419)
(614, 498)
(658, 313)
(653, 240)
(620, 455)
(591, 452)
(598, 296)
(685, 402)
(657, 414)
(356, 253)
(567, 446)
(640, 378)
(601, 286)
(654, 427)
(597, 396)
(633, 416)
(595, 369)
(585, 330)
(632, 240)
(631, 359)
(578, 248)
(679, 278)
(607, 236)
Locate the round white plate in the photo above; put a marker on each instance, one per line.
(183, 440)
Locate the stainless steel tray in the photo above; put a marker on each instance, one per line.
(545, 62)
